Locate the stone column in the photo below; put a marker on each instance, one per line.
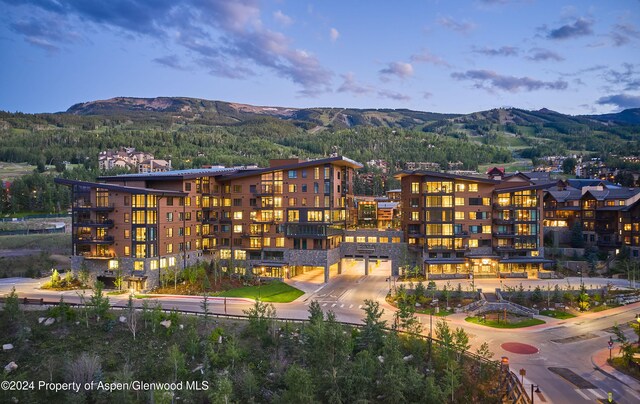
(340, 266)
(326, 273)
(366, 265)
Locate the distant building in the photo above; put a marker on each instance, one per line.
(130, 158)
(422, 165)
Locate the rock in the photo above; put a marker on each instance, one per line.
(418, 305)
(10, 367)
(407, 358)
(122, 319)
(182, 326)
(7, 347)
(198, 368)
(381, 359)
(219, 339)
(41, 319)
(166, 323)
(50, 321)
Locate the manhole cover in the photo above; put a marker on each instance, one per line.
(518, 348)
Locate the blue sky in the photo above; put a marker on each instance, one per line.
(575, 57)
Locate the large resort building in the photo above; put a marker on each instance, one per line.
(298, 216)
(465, 226)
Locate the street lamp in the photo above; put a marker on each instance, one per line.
(537, 390)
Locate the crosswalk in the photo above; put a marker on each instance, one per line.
(334, 304)
(597, 394)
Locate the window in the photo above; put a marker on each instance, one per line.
(459, 201)
(316, 173)
(304, 188)
(127, 199)
(127, 233)
(293, 201)
(473, 243)
(226, 202)
(237, 215)
(141, 250)
(187, 231)
(237, 189)
(304, 202)
(172, 261)
(113, 264)
(327, 173)
(169, 216)
(486, 229)
(153, 265)
(292, 174)
(138, 266)
(316, 188)
(237, 202)
(237, 228)
(460, 187)
(459, 215)
(415, 187)
(279, 241)
(127, 251)
(348, 239)
(169, 232)
(293, 215)
(266, 242)
(415, 216)
(141, 234)
(372, 239)
(304, 173)
(473, 187)
(293, 188)
(316, 201)
(127, 218)
(314, 216)
(169, 248)
(360, 239)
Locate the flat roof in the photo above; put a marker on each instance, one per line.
(123, 188)
(439, 174)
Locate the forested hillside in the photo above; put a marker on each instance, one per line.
(194, 132)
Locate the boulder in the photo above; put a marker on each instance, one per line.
(122, 319)
(10, 367)
(7, 347)
(166, 323)
(41, 319)
(50, 321)
(407, 358)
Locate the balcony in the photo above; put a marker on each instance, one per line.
(503, 221)
(92, 223)
(96, 256)
(93, 240)
(102, 208)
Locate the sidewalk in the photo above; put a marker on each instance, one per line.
(599, 360)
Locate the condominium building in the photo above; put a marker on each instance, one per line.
(463, 226)
(277, 221)
(608, 214)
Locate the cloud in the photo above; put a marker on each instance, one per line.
(622, 101)
(502, 51)
(171, 61)
(580, 27)
(426, 57)
(540, 54)
(628, 78)
(334, 34)
(490, 80)
(44, 32)
(399, 69)
(351, 85)
(282, 18)
(219, 35)
(624, 33)
(463, 27)
(393, 95)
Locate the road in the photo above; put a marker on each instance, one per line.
(567, 345)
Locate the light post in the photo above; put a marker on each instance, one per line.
(537, 390)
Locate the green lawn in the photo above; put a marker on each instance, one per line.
(501, 324)
(275, 292)
(562, 315)
(441, 313)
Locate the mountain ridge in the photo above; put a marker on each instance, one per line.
(318, 117)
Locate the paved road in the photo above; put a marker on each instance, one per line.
(568, 345)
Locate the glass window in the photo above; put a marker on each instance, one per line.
(415, 187)
(473, 187)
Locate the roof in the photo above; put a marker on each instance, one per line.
(526, 260)
(112, 187)
(589, 182)
(616, 193)
(229, 172)
(566, 195)
(387, 205)
(438, 174)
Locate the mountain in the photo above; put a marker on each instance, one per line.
(220, 112)
(630, 116)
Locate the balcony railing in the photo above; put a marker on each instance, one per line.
(105, 207)
(93, 240)
(93, 223)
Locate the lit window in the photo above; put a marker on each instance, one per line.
(138, 266)
(473, 187)
(279, 241)
(237, 215)
(113, 264)
(473, 243)
(459, 215)
(459, 201)
(348, 239)
(415, 187)
(169, 248)
(153, 265)
(237, 228)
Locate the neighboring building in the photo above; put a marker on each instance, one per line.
(463, 226)
(277, 222)
(130, 158)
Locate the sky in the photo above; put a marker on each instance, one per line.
(574, 57)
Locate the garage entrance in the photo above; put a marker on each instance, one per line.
(366, 265)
